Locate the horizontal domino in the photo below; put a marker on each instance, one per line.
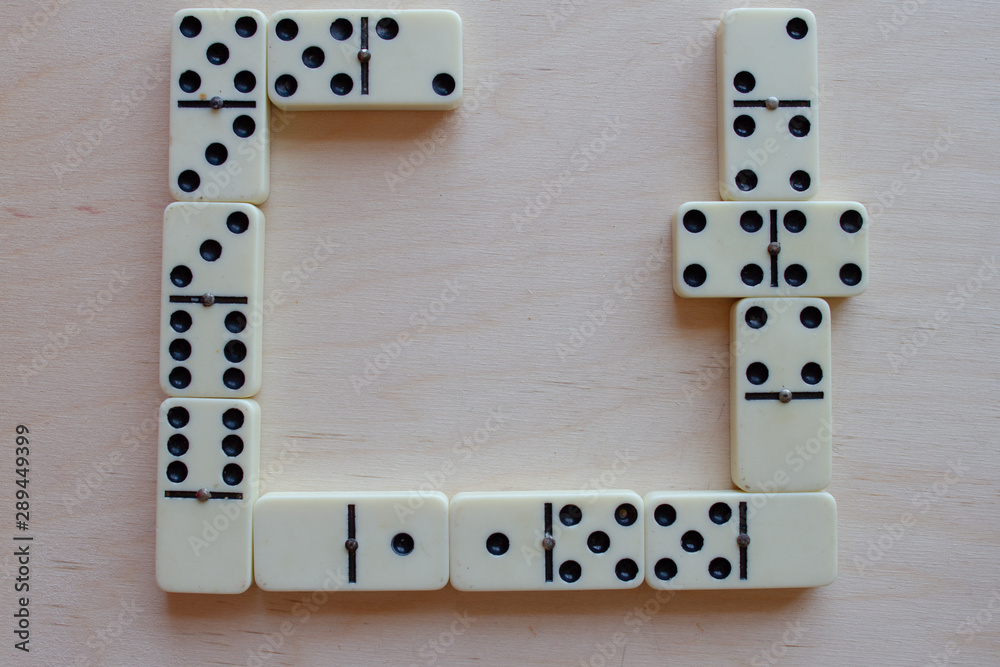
(207, 463)
(351, 541)
(781, 417)
(219, 135)
(365, 59)
(555, 540)
(212, 287)
(768, 104)
(763, 249)
(731, 540)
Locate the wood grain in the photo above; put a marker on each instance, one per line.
(542, 206)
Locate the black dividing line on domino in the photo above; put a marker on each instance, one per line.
(776, 395)
(352, 554)
(207, 104)
(762, 104)
(745, 542)
(774, 255)
(214, 495)
(548, 552)
(218, 299)
(364, 61)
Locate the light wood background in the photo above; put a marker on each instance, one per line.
(616, 101)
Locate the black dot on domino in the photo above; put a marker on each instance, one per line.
(236, 321)
(286, 30)
(233, 378)
(245, 81)
(757, 373)
(235, 351)
(720, 513)
(626, 569)
(799, 126)
(177, 445)
(246, 26)
(180, 321)
(217, 54)
(570, 515)
(692, 541)
(341, 29)
(402, 544)
(178, 417)
(190, 26)
(179, 378)
(181, 276)
(598, 542)
(216, 154)
(744, 82)
(233, 419)
(695, 275)
(341, 84)
(850, 274)
(497, 544)
(665, 569)
(179, 349)
(313, 57)
(746, 180)
(694, 221)
(244, 126)
(665, 514)
(210, 250)
(744, 125)
(189, 81)
(719, 568)
(811, 317)
(755, 317)
(570, 571)
(238, 222)
(286, 85)
(232, 445)
(812, 373)
(626, 514)
(797, 28)
(232, 474)
(443, 84)
(188, 180)
(387, 28)
(796, 275)
(751, 221)
(752, 275)
(177, 472)
(794, 221)
(851, 221)
(799, 181)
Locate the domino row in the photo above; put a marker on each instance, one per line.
(226, 63)
(214, 535)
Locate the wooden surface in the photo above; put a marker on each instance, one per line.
(593, 128)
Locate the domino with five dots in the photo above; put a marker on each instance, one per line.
(746, 249)
(212, 286)
(219, 135)
(781, 417)
(731, 539)
(768, 94)
(556, 540)
(351, 541)
(207, 462)
(365, 59)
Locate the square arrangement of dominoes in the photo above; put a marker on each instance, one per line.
(766, 245)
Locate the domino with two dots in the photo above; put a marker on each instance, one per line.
(732, 540)
(555, 540)
(207, 462)
(219, 134)
(365, 59)
(768, 95)
(212, 286)
(351, 541)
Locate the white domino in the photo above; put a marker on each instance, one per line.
(212, 282)
(730, 539)
(768, 94)
(351, 541)
(781, 421)
(206, 486)
(365, 59)
(556, 540)
(756, 249)
(219, 145)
